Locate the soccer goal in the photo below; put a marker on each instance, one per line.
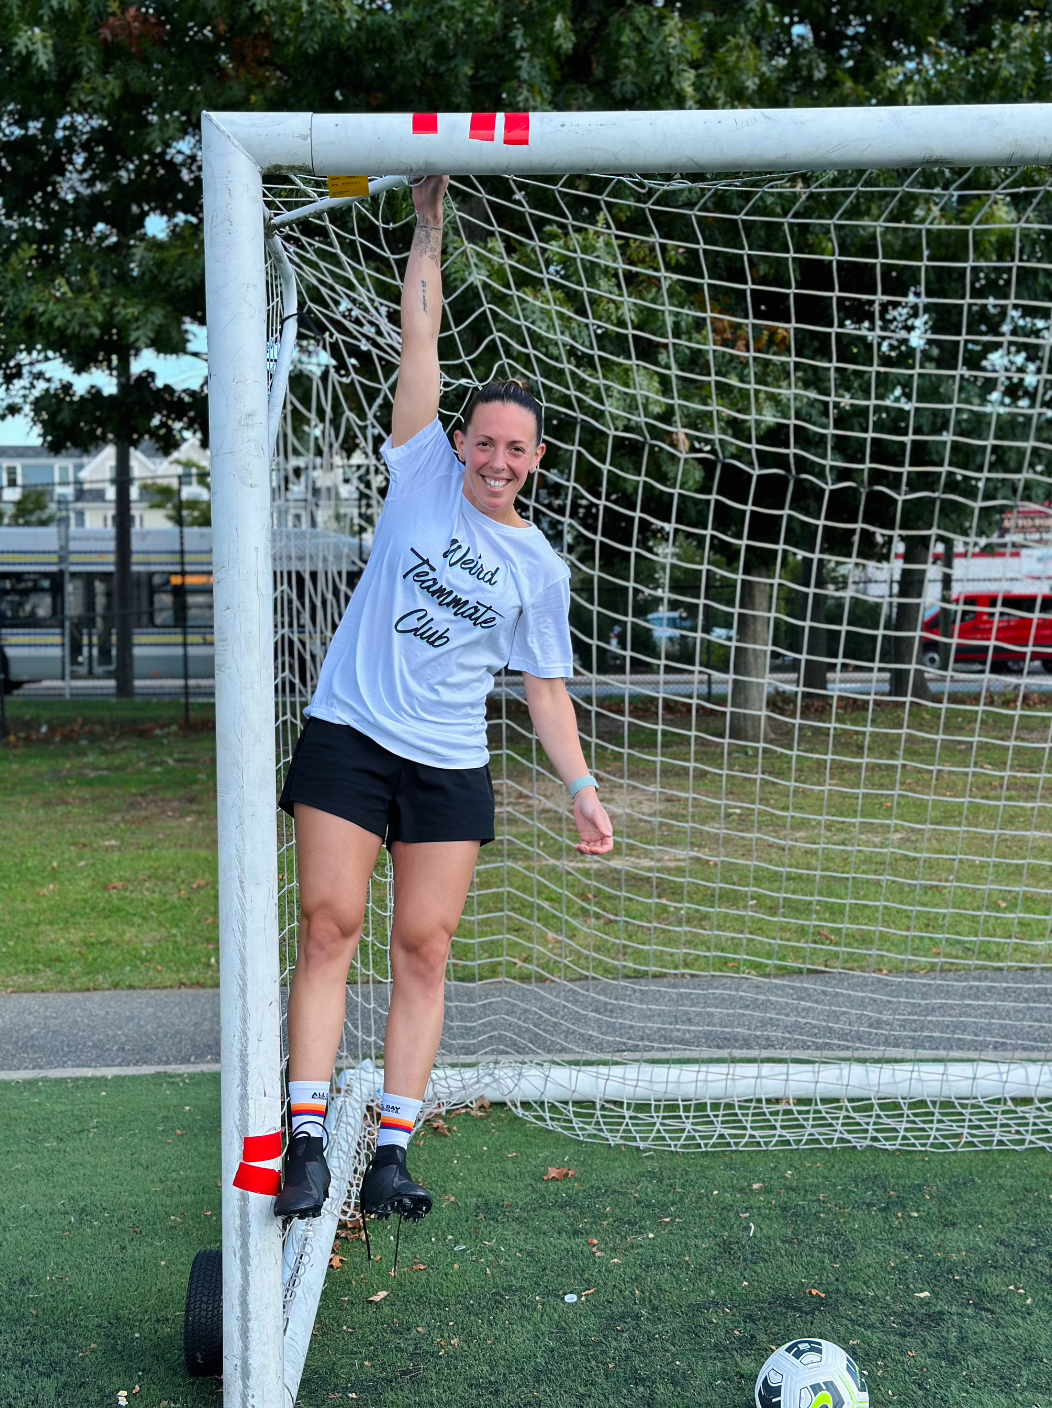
(795, 371)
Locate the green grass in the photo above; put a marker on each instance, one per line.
(108, 867)
(880, 840)
(707, 1261)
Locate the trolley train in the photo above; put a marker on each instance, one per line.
(37, 582)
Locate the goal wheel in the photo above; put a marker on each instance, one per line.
(203, 1325)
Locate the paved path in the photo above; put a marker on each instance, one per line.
(963, 1014)
(82, 1033)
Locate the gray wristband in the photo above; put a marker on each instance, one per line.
(581, 784)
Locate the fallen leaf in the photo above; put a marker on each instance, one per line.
(419, 1265)
(449, 1198)
(439, 1126)
(336, 1261)
(198, 884)
(593, 1242)
(588, 1293)
(922, 1295)
(380, 1295)
(117, 885)
(559, 1174)
(816, 1293)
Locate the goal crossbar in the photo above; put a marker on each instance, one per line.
(560, 143)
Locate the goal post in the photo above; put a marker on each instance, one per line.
(235, 293)
(822, 1070)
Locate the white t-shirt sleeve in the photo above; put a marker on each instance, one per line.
(429, 453)
(541, 644)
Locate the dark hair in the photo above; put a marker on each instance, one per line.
(515, 391)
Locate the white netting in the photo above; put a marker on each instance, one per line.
(797, 433)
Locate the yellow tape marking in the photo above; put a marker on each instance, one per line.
(340, 187)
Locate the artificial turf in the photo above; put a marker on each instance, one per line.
(932, 1267)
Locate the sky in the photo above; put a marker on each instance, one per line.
(184, 371)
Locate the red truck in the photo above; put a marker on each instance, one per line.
(1001, 630)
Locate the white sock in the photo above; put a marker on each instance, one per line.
(398, 1115)
(308, 1099)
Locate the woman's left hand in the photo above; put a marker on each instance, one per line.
(593, 824)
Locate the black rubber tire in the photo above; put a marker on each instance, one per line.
(203, 1325)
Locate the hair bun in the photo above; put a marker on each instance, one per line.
(511, 390)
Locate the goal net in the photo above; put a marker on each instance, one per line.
(797, 431)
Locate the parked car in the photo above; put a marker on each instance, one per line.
(667, 625)
(1000, 630)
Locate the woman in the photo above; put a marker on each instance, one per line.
(458, 586)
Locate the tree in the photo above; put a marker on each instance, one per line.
(30, 510)
(100, 242)
(188, 510)
(100, 253)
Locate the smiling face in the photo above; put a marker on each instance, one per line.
(499, 449)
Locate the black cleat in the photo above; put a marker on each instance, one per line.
(306, 1184)
(387, 1187)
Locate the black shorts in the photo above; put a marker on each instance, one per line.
(341, 771)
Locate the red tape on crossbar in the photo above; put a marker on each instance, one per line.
(425, 124)
(516, 129)
(250, 1178)
(261, 1147)
(483, 126)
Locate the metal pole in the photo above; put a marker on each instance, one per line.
(235, 293)
(946, 606)
(63, 562)
(3, 678)
(182, 581)
(122, 555)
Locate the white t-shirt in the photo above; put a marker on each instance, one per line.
(447, 598)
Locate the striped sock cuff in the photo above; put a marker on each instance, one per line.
(398, 1116)
(308, 1101)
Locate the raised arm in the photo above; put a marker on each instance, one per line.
(416, 395)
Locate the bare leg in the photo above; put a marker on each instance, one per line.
(431, 882)
(335, 860)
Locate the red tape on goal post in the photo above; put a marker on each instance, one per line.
(251, 1177)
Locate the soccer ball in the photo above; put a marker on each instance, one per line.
(811, 1374)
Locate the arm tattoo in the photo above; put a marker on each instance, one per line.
(423, 292)
(428, 241)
